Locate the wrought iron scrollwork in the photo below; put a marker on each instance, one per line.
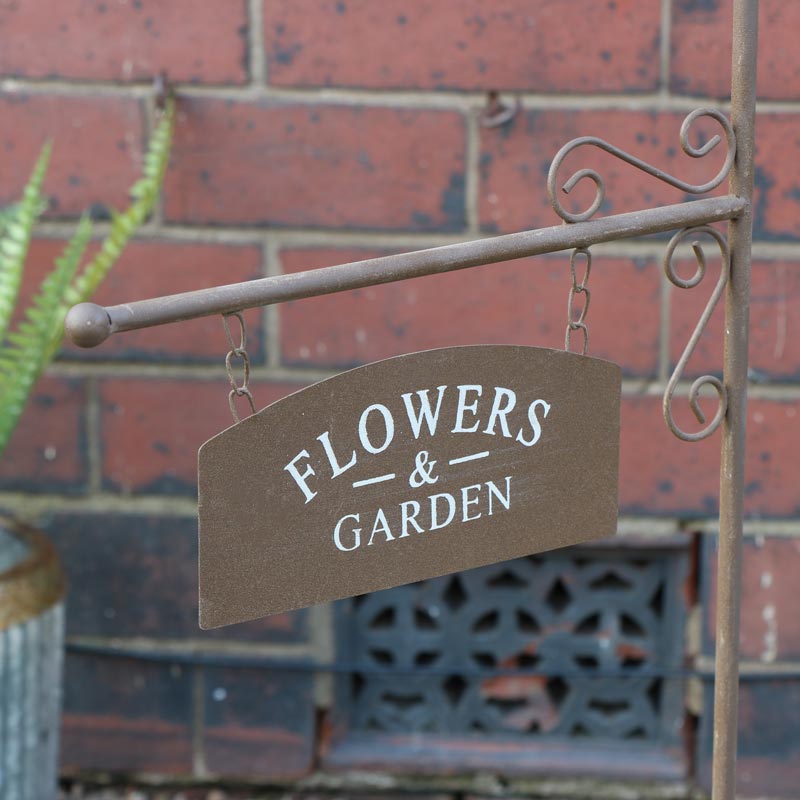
(690, 283)
(600, 190)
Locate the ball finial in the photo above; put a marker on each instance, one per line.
(87, 325)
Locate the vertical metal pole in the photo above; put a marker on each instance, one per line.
(737, 316)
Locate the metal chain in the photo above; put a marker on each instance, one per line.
(240, 351)
(578, 323)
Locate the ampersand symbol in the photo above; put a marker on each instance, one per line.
(422, 468)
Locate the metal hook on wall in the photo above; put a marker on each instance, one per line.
(498, 113)
(162, 90)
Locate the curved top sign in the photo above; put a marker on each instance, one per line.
(403, 470)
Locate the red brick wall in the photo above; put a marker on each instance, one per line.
(312, 132)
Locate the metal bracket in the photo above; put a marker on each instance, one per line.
(719, 289)
(89, 324)
(686, 146)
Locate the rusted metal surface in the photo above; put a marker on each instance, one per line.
(576, 318)
(88, 324)
(238, 351)
(695, 235)
(33, 580)
(737, 324)
(497, 113)
(403, 470)
(600, 191)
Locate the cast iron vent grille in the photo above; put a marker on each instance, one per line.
(447, 658)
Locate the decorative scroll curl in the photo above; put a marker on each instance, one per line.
(600, 189)
(690, 283)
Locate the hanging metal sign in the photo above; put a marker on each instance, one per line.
(406, 469)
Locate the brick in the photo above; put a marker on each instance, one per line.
(125, 714)
(515, 160)
(660, 474)
(97, 148)
(770, 628)
(136, 576)
(152, 429)
(152, 269)
(768, 760)
(520, 302)
(273, 164)
(464, 45)
(776, 209)
(772, 470)
(47, 451)
(258, 723)
(774, 322)
(135, 41)
(701, 49)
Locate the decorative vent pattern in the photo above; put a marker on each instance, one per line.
(431, 651)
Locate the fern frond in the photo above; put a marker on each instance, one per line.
(123, 225)
(31, 346)
(18, 222)
(6, 214)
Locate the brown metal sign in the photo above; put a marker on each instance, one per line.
(406, 469)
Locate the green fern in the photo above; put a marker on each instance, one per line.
(31, 346)
(6, 215)
(18, 222)
(9, 213)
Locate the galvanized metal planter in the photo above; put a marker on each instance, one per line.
(31, 647)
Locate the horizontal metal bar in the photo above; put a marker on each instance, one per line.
(88, 324)
(224, 658)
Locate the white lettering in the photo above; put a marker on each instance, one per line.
(412, 518)
(388, 422)
(493, 490)
(451, 502)
(381, 526)
(325, 438)
(499, 412)
(300, 478)
(535, 424)
(466, 502)
(463, 407)
(430, 417)
(356, 533)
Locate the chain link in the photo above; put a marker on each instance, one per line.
(237, 351)
(575, 323)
